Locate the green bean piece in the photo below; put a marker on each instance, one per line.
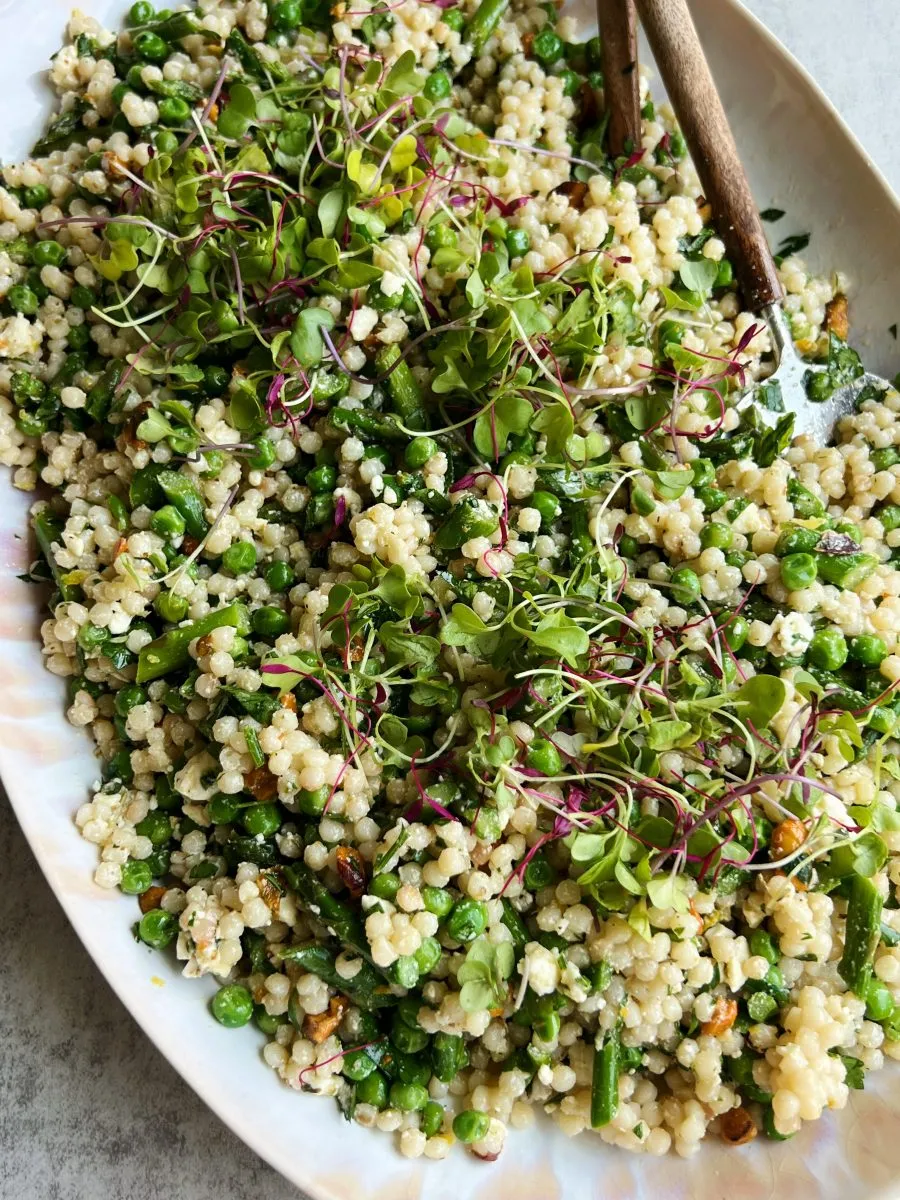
(367, 988)
(381, 426)
(250, 60)
(861, 938)
(516, 926)
(403, 387)
(605, 1081)
(485, 22)
(340, 918)
(182, 494)
(471, 518)
(47, 530)
(170, 651)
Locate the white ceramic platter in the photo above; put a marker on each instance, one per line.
(801, 158)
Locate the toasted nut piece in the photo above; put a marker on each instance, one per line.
(352, 869)
(319, 1026)
(723, 1017)
(204, 645)
(736, 1127)
(787, 837)
(261, 783)
(289, 701)
(150, 899)
(837, 316)
(574, 191)
(270, 890)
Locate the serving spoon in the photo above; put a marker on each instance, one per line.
(685, 72)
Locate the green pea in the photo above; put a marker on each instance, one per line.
(437, 901)
(140, 13)
(168, 522)
(405, 973)
(128, 697)
(136, 877)
(883, 460)
(890, 517)
(285, 16)
(879, 1001)
(828, 649)
(82, 297)
(868, 650)
(440, 236)
(385, 885)
(157, 928)
(543, 756)
(357, 1065)
(454, 19)
(762, 945)
(79, 336)
(471, 1125)
(538, 874)
(761, 1006)
(152, 48)
(280, 576)
(322, 479)
(156, 826)
(173, 111)
(736, 630)
(712, 498)
(48, 254)
(216, 381)
(518, 243)
(629, 547)
(685, 585)
(119, 92)
(432, 1119)
(716, 536)
(428, 955)
(547, 505)
(166, 142)
(171, 607)
(798, 571)
(269, 621)
(642, 502)
(222, 809)
(232, 1006)
(265, 1021)
(882, 720)
(419, 451)
(407, 1040)
(704, 473)
(408, 1097)
(467, 921)
(571, 82)
(239, 558)
(381, 453)
(37, 196)
(373, 1090)
(547, 47)
(312, 804)
(438, 86)
(22, 299)
(261, 819)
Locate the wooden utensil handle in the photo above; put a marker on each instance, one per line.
(617, 22)
(676, 47)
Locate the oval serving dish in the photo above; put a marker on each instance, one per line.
(801, 158)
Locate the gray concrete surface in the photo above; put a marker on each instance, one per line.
(89, 1110)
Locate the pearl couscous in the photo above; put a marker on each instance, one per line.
(504, 720)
